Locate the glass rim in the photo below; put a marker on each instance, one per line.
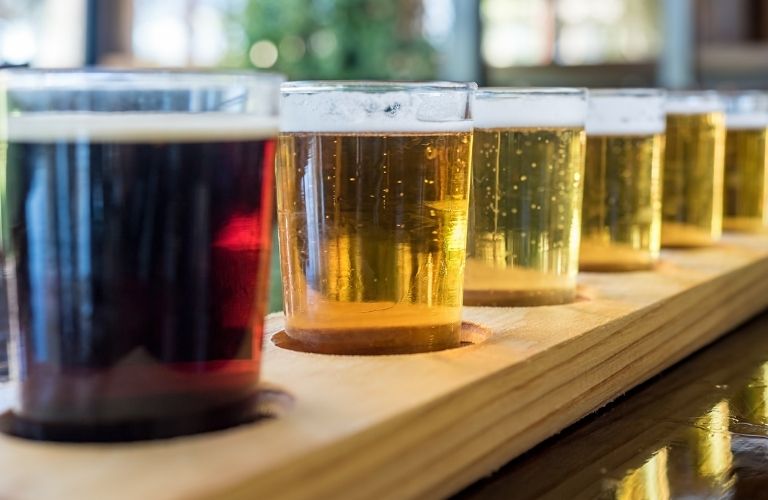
(693, 94)
(513, 92)
(373, 86)
(118, 79)
(742, 93)
(694, 102)
(627, 92)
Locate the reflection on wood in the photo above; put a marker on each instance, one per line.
(686, 414)
(649, 482)
(713, 443)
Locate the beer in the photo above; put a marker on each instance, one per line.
(528, 160)
(136, 247)
(621, 215)
(372, 219)
(692, 202)
(746, 154)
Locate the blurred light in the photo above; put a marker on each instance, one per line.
(323, 43)
(579, 44)
(161, 40)
(209, 43)
(574, 11)
(438, 19)
(524, 32)
(18, 44)
(263, 54)
(516, 32)
(608, 11)
(292, 48)
(507, 45)
(61, 34)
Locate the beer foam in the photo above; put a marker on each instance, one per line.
(746, 121)
(363, 112)
(136, 127)
(629, 114)
(503, 109)
(693, 103)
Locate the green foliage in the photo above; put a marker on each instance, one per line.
(342, 39)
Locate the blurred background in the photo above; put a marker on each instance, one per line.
(674, 43)
(670, 43)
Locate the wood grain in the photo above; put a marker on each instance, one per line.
(426, 425)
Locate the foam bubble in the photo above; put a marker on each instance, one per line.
(693, 103)
(137, 127)
(617, 114)
(361, 112)
(742, 121)
(498, 109)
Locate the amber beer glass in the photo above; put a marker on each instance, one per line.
(135, 214)
(692, 192)
(525, 216)
(621, 213)
(746, 154)
(372, 189)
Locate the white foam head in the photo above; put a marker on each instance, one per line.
(746, 121)
(527, 108)
(746, 109)
(136, 127)
(693, 102)
(362, 107)
(626, 112)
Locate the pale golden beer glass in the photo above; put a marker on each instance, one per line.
(692, 192)
(621, 213)
(746, 154)
(525, 215)
(372, 195)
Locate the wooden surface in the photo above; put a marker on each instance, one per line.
(596, 457)
(426, 424)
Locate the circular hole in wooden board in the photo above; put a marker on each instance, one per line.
(471, 334)
(267, 403)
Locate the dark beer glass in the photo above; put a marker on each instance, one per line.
(135, 217)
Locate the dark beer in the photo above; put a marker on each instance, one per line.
(138, 248)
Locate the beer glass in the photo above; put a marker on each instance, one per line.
(135, 214)
(525, 215)
(621, 213)
(692, 192)
(372, 187)
(746, 154)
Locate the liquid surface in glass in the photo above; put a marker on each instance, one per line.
(525, 216)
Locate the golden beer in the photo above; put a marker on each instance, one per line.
(692, 202)
(372, 232)
(746, 154)
(621, 213)
(526, 199)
